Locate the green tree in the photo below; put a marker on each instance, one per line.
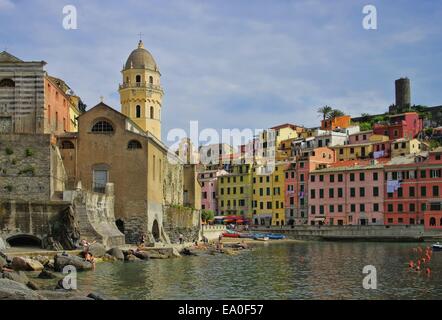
(335, 113)
(325, 111)
(207, 215)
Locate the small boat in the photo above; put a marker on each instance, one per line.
(230, 235)
(274, 236)
(262, 238)
(246, 235)
(437, 247)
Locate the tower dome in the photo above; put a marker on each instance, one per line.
(140, 58)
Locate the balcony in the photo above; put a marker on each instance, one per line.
(141, 85)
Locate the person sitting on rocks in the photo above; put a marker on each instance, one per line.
(90, 258)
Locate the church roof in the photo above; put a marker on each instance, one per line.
(140, 58)
(7, 57)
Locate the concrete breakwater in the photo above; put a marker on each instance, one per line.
(413, 233)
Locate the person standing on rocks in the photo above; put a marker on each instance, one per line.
(181, 238)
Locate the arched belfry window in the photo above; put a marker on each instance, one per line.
(102, 126)
(7, 83)
(138, 78)
(134, 144)
(151, 80)
(151, 113)
(138, 111)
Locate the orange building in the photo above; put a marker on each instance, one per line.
(57, 117)
(335, 123)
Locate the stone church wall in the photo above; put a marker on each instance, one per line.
(30, 168)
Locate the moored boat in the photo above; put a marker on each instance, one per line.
(275, 236)
(437, 247)
(262, 238)
(230, 235)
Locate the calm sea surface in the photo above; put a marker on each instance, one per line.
(310, 270)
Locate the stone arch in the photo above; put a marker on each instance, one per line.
(120, 225)
(156, 231)
(24, 240)
(7, 83)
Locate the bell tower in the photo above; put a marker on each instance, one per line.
(141, 93)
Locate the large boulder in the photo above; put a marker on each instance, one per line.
(97, 250)
(117, 253)
(19, 277)
(26, 264)
(62, 260)
(141, 255)
(63, 295)
(45, 274)
(12, 290)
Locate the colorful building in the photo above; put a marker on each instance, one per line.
(235, 191)
(336, 123)
(402, 147)
(296, 185)
(268, 195)
(209, 180)
(347, 193)
(406, 125)
(413, 187)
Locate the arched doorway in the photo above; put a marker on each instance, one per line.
(120, 225)
(156, 231)
(432, 221)
(24, 240)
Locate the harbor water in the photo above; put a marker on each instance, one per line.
(304, 270)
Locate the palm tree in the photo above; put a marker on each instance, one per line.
(335, 113)
(325, 111)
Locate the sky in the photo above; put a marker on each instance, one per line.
(238, 63)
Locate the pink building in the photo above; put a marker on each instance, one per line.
(208, 180)
(347, 193)
(297, 180)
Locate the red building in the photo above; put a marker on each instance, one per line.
(413, 186)
(406, 125)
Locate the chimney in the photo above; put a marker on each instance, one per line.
(403, 94)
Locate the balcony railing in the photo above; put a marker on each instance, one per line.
(143, 85)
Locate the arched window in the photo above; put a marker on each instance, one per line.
(134, 144)
(102, 127)
(138, 111)
(151, 112)
(440, 222)
(66, 144)
(7, 83)
(138, 78)
(127, 79)
(433, 221)
(151, 80)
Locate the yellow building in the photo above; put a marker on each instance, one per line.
(268, 195)
(360, 150)
(402, 147)
(141, 93)
(235, 191)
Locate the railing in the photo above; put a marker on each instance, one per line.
(143, 85)
(99, 188)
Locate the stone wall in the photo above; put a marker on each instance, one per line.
(212, 232)
(31, 168)
(26, 218)
(173, 183)
(355, 233)
(95, 214)
(185, 221)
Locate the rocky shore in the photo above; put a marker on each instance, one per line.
(40, 277)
